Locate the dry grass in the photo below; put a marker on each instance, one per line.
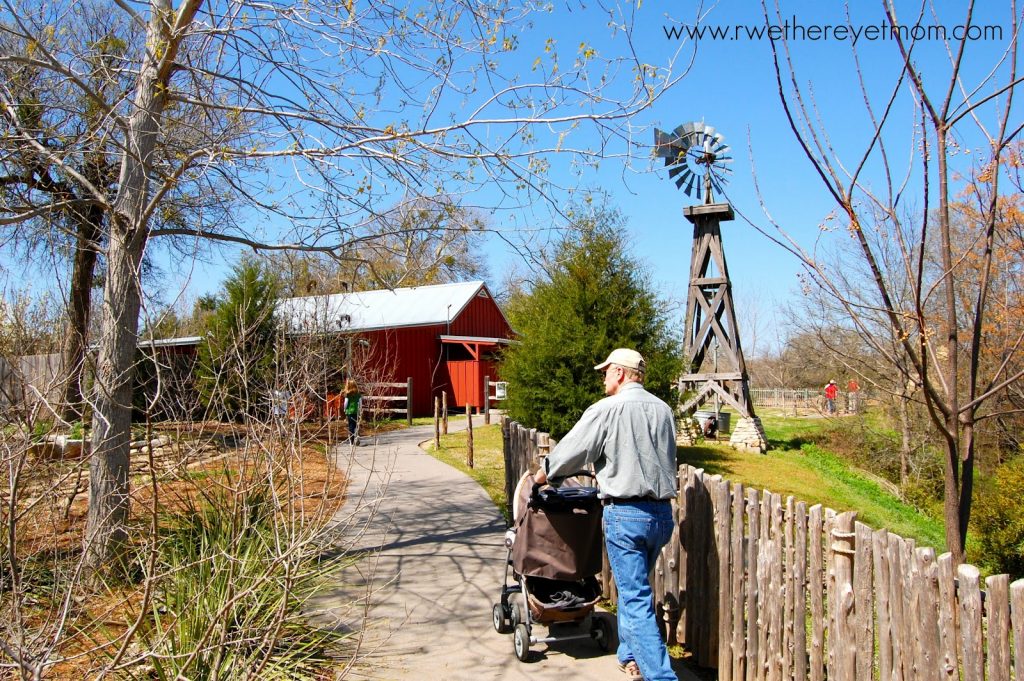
(307, 487)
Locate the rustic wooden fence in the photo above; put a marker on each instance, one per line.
(27, 380)
(387, 400)
(766, 589)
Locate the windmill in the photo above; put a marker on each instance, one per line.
(699, 162)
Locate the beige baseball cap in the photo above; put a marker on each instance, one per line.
(624, 357)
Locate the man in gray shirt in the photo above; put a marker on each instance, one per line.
(630, 437)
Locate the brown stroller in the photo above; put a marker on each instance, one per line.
(554, 552)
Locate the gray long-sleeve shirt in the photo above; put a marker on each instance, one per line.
(630, 437)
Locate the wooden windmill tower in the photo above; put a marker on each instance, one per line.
(713, 364)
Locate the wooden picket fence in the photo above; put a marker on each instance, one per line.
(766, 589)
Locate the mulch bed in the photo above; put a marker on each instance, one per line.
(201, 460)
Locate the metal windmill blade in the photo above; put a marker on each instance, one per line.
(697, 156)
(689, 185)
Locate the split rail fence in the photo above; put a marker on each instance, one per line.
(766, 589)
(387, 400)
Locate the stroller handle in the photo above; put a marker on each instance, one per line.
(555, 482)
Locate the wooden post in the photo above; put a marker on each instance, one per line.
(789, 557)
(844, 642)
(897, 612)
(723, 544)
(469, 436)
(800, 593)
(408, 402)
(883, 597)
(970, 623)
(511, 472)
(444, 413)
(816, 584)
(1017, 620)
(738, 649)
(997, 605)
(437, 423)
(948, 621)
(487, 400)
(776, 590)
(753, 511)
(863, 607)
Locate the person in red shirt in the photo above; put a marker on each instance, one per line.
(852, 388)
(831, 393)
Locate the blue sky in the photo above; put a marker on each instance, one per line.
(730, 85)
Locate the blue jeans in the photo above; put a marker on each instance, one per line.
(634, 533)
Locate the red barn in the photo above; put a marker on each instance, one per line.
(442, 336)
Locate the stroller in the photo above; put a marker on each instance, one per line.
(555, 551)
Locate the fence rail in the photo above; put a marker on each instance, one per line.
(389, 398)
(804, 398)
(765, 589)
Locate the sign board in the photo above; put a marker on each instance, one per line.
(500, 390)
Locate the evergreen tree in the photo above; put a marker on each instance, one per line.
(237, 355)
(596, 297)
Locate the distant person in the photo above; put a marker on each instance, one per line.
(711, 428)
(831, 393)
(351, 407)
(852, 396)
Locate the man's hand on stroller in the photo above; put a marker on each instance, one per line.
(541, 476)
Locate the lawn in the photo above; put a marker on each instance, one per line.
(794, 466)
(488, 460)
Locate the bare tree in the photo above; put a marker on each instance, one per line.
(418, 242)
(312, 115)
(939, 325)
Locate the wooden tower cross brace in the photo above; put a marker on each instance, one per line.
(711, 318)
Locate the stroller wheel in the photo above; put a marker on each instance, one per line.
(601, 632)
(521, 642)
(501, 623)
(516, 616)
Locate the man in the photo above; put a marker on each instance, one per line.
(831, 393)
(630, 437)
(852, 389)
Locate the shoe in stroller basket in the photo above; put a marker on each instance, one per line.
(555, 551)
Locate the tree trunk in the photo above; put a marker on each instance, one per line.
(951, 503)
(906, 438)
(73, 358)
(106, 524)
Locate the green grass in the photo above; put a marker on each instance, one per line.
(796, 466)
(488, 460)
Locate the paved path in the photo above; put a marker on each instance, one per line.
(434, 566)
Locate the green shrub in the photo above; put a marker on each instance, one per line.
(998, 519)
(231, 594)
(236, 357)
(594, 297)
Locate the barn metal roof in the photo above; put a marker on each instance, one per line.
(384, 309)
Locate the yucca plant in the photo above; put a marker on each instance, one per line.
(233, 583)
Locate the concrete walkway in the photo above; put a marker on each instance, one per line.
(433, 567)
